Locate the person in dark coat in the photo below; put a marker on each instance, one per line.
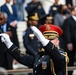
(6, 59)
(35, 6)
(30, 41)
(59, 20)
(41, 64)
(54, 9)
(69, 29)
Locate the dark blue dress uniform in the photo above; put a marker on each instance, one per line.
(54, 9)
(41, 63)
(51, 62)
(31, 43)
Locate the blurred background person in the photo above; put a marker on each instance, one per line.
(59, 19)
(69, 8)
(12, 19)
(35, 6)
(69, 30)
(54, 9)
(47, 19)
(19, 7)
(61, 16)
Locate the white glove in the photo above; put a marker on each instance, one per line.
(40, 36)
(6, 39)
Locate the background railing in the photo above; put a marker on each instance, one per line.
(26, 71)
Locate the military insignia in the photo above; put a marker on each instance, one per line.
(31, 36)
(46, 36)
(39, 7)
(54, 8)
(44, 64)
(47, 27)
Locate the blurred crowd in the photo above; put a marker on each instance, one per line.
(34, 14)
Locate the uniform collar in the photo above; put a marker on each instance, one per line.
(74, 17)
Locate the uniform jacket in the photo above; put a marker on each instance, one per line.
(31, 43)
(41, 63)
(54, 9)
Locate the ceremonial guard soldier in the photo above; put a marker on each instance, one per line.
(41, 62)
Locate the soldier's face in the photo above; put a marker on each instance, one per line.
(55, 42)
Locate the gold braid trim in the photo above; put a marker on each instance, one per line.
(22, 52)
(14, 49)
(67, 61)
(52, 67)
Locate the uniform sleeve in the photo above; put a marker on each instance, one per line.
(20, 57)
(26, 42)
(58, 59)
